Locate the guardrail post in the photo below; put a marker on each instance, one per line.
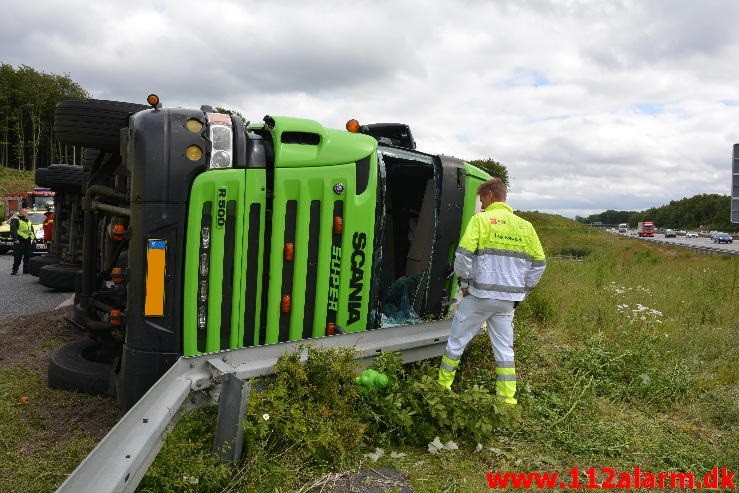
(234, 399)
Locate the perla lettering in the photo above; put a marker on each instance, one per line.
(359, 241)
(221, 214)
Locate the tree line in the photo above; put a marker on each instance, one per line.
(700, 212)
(27, 101)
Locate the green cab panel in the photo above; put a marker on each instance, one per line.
(226, 221)
(294, 262)
(302, 143)
(329, 228)
(474, 177)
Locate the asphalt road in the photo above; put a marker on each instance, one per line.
(23, 295)
(696, 242)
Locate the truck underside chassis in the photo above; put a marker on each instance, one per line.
(197, 234)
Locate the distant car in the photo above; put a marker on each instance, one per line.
(722, 238)
(691, 234)
(670, 233)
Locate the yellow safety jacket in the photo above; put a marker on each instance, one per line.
(499, 255)
(25, 228)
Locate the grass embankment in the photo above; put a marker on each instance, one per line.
(15, 181)
(628, 358)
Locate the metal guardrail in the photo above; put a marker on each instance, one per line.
(708, 250)
(121, 459)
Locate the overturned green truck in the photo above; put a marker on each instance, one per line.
(201, 232)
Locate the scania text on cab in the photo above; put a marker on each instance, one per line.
(202, 232)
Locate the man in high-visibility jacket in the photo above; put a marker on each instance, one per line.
(498, 261)
(21, 230)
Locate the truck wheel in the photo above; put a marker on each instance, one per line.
(35, 263)
(92, 122)
(73, 367)
(59, 276)
(62, 178)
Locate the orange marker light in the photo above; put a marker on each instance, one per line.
(353, 126)
(289, 251)
(285, 303)
(152, 99)
(115, 317)
(338, 224)
(118, 231)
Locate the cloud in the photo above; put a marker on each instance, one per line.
(592, 105)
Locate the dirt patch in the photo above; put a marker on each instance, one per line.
(28, 342)
(362, 481)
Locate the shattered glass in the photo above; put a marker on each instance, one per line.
(397, 302)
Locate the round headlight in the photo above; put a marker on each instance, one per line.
(220, 159)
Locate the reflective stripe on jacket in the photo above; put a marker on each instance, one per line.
(499, 255)
(23, 230)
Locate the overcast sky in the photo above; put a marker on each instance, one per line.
(591, 105)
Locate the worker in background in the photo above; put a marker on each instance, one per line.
(498, 261)
(49, 222)
(21, 230)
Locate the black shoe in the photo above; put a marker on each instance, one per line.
(13, 273)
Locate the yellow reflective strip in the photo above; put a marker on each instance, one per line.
(155, 268)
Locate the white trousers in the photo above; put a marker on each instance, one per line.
(468, 319)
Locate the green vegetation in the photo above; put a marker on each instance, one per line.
(704, 212)
(36, 454)
(626, 359)
(14, 181)
(27, 102)
(494, 168)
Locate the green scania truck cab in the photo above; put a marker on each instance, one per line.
(203, 232)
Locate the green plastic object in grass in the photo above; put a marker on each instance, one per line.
(372, 378)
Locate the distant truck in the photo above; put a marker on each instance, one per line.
(645, 228)
(623, 228)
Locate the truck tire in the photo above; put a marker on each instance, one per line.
(59, 276)
(62, 178)
(35, 263)
(92, 122)
(73, 367)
